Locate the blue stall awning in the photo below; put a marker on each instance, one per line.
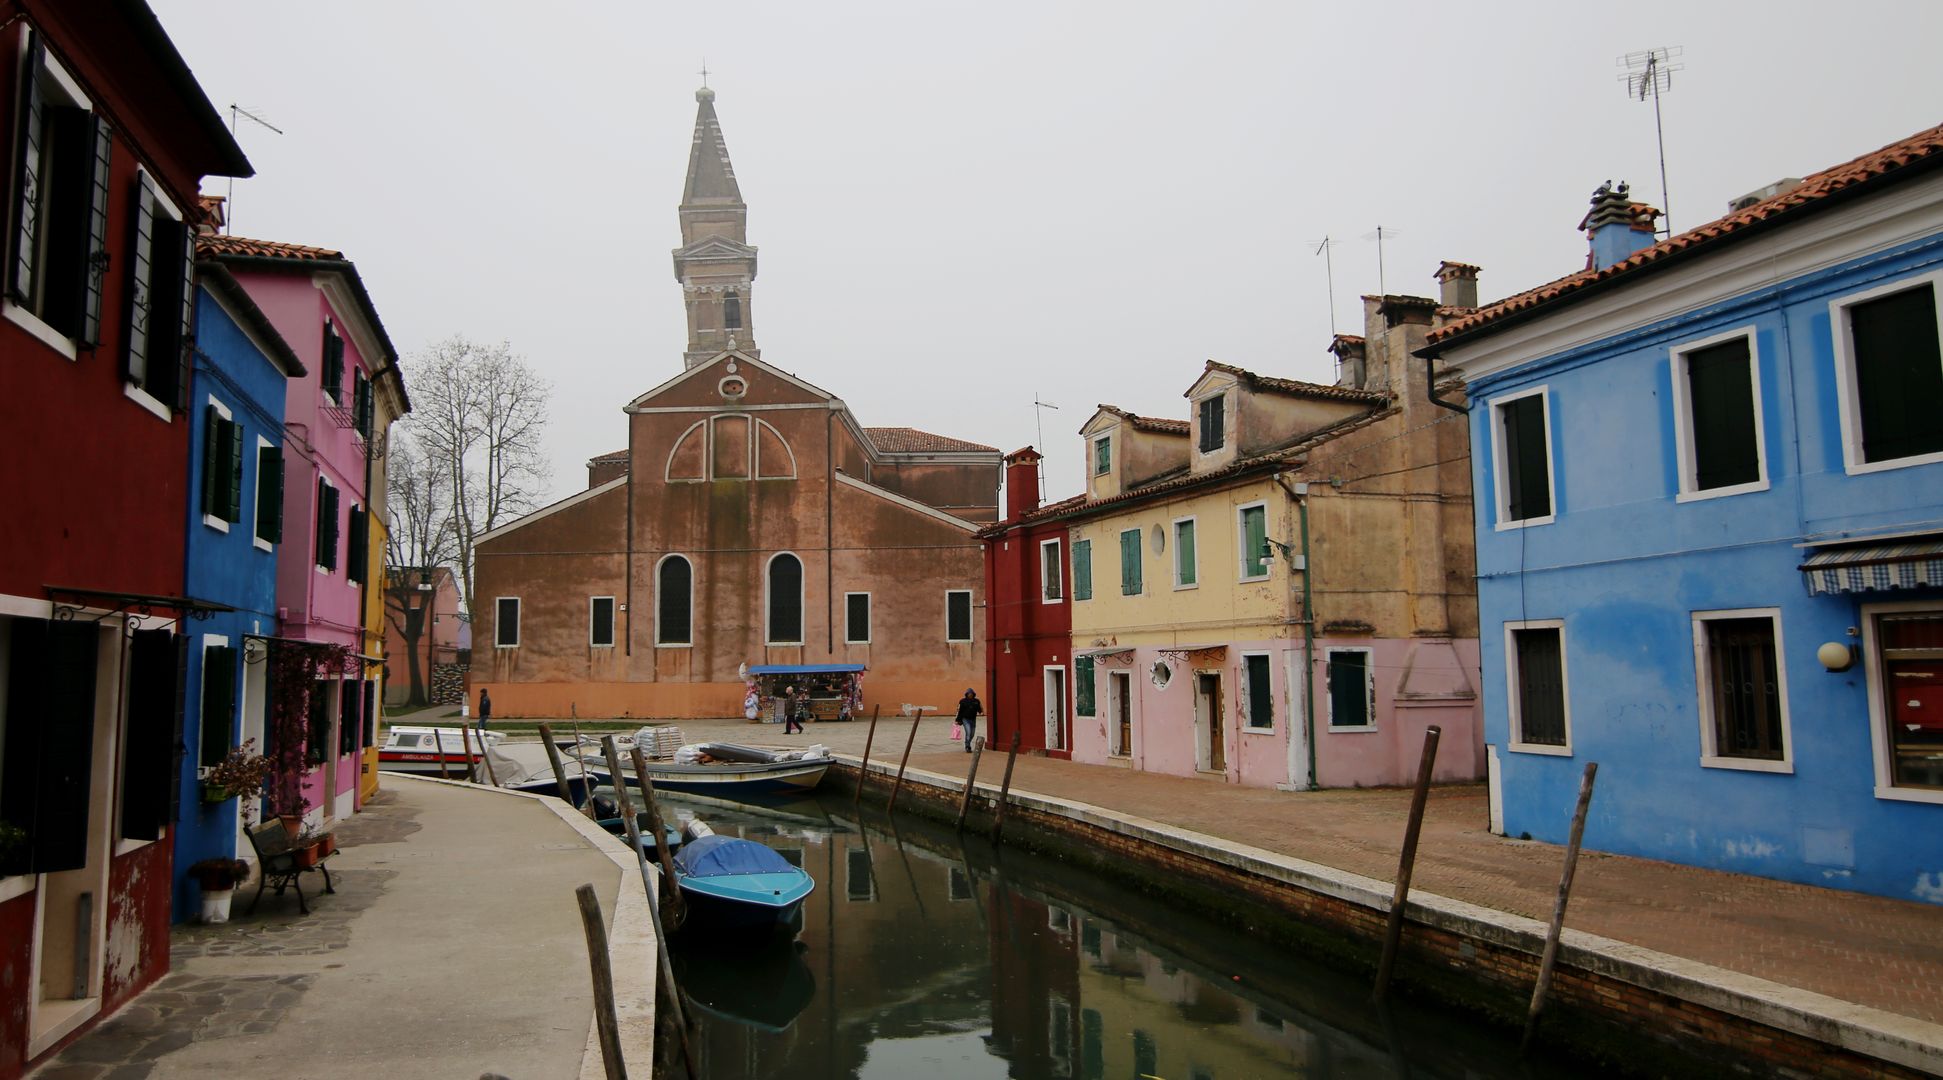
(1914, 563)
(806, 669)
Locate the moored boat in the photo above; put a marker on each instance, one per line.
(730, 883)
(422, 750)
(728, 770)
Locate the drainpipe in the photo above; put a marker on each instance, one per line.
(1430, 388)
(1299, 494)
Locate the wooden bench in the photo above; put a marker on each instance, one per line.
(276, 863)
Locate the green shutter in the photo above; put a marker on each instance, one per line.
(218, 703)
(1082, 569)
(1083, 686)
(1130, 562)
(233, 510)
(269, 493)
(213, 447)
(1184, 551)
(1254, 533)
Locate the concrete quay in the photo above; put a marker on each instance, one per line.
(452, 947)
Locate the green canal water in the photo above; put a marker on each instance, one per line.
(924, 956)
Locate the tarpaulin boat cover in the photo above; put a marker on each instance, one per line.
(713, 856)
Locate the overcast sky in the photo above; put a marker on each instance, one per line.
(960, 205)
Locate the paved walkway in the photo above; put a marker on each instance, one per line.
(1882, 953)
(451, 948)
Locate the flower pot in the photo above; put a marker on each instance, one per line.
(215, 905)
(326, 844)
(307, 856)
(216, 793)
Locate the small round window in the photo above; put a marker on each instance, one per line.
(732, 387)
(1158, 539)
(1162, 674)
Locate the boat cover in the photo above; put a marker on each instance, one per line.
(714, 856)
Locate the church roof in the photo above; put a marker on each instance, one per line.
(710, 176)
(908, 440)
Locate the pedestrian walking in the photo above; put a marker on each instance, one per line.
(485, 708)
(969, 710)
(794, 706)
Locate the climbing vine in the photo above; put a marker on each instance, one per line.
(295, 668)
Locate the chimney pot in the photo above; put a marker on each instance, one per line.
(1021, 482)
(1457, 284)
(1616, 226)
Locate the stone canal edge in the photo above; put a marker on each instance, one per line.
(1457, 950)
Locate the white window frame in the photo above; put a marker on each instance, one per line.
(613, 609)
(971, 622)
(256, 498)
(22, 317)
(1514, 735)
(1501, 470)
(1849, 405)
(1703, 670)
(768, 609)
(1683, 420)
(1241, 543)
(1059, 567)
(1878, 722)
(690, 643)
(1329, 690)
(499, 628)
(1247, 702)
(210, 519)
(1192, 521)
(1092, 464)
(870, 619)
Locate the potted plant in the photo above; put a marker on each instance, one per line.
(218, 879)
(241, 772)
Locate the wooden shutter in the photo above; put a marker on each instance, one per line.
(357, 550)
(370, 712)
(332, 531)
(333, 364)
(217, 720)
(46, 785)
(1526, 463)
(1254, 541)
(1082, 569)
(1130, 563)
(1720, 404)
(213, 448)
(1213, 418)
(1898, 375)
(95, 272)
(134, 364)
(182, 242)
(269, 493)
(148, 747)
(1184, 558)
(1083, 679)
(348, 699)
(27, 181)
(233, 488)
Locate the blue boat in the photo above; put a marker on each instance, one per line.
(730, 883)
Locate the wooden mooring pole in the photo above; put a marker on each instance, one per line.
(465, 737)
(863, 768)
(1005, 789)
(1393, 934)
(664, 962)
(580, 755)
(667, 859)
(916, 718)
(559, 769)
(964, 804)
(438, 751)
(491, 777)
(604, 1016)
(1545, 962)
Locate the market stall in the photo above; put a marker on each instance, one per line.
(836, 691)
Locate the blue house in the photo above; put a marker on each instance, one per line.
(235, 527)
(1709, 491)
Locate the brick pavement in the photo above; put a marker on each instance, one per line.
(1873, 951)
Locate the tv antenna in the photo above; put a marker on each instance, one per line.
(1649, 73)
(1381, 234)
(1329, 272)
(229, 199)
(1039, 415)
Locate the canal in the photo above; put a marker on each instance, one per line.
(921, 955)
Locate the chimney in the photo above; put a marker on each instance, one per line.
(1021, 483)
(1457, 284)
(1616, 226)
(1351, 365)
(211, 221)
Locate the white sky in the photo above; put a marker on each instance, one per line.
(962, 204)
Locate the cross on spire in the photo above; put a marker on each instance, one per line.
(704, 72)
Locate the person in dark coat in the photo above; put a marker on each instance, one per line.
(485, 708)
(969, 710)
(797, 704)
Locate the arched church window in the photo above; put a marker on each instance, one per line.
(785, 600)
(731, 310)
(674, 602)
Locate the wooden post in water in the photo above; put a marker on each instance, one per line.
(610, 1024)
(1393, 935)
(1005, 789)
(863, 768)
(964, 804)
(553, 758)
(655, 823)
(465, 738)
(491, 778)
(438, 751)
(1558, 909)
(666, 964)
(580, 755)
(916, 718)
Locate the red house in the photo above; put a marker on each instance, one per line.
(111, 138)
(1029, 619)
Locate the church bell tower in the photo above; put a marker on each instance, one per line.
(715, 263)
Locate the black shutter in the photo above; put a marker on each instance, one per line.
(233, 508)
(269, 493)
(333, 363)
(331, 528)
(361, 403)
(96, 270)
(184, 244)
(347, 717)
(64, 222)
(323, 518)
(1721, 407)
(213, 448)
(357, 552)
(217, 732)
(134, 364)
(45, 786)
(148, 747)
(1898, 375)
(27, 182)
(370, 712)
(1525, 458)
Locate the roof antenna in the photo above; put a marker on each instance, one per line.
(1039, 414)
(1379, 236)
(1329, 270)
(229, 200)
(1649, 73)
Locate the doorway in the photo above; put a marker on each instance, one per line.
(1119, 693)
(1055, 708)
(255, 705)
(1212, 747)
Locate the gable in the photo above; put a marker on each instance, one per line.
(1103, 421)
(1210, 383)
(703, 387)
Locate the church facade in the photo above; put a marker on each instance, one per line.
(752, 534)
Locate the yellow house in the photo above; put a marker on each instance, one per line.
(389, 403)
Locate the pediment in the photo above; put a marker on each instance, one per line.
(1210, 382)
(1103, 420)
(716, 247)
(699, 386)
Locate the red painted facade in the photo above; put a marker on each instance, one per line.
(1025, 633)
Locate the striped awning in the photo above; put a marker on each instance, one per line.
(1875, 567)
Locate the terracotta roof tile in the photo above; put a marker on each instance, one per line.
(907, 440)
(617, 455)
(1159, 425)
(1924, 145)
(217, 246)
(1298, 388)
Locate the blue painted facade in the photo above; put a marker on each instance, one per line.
(1626, 565)
(228, 562)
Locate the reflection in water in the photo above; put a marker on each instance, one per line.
(924, 956)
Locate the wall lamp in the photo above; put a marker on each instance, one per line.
(1839, 656)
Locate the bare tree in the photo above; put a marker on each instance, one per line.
(479, 413)
(421, 541)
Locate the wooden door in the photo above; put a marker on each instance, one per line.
(1122, 687)
(1207, 686)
